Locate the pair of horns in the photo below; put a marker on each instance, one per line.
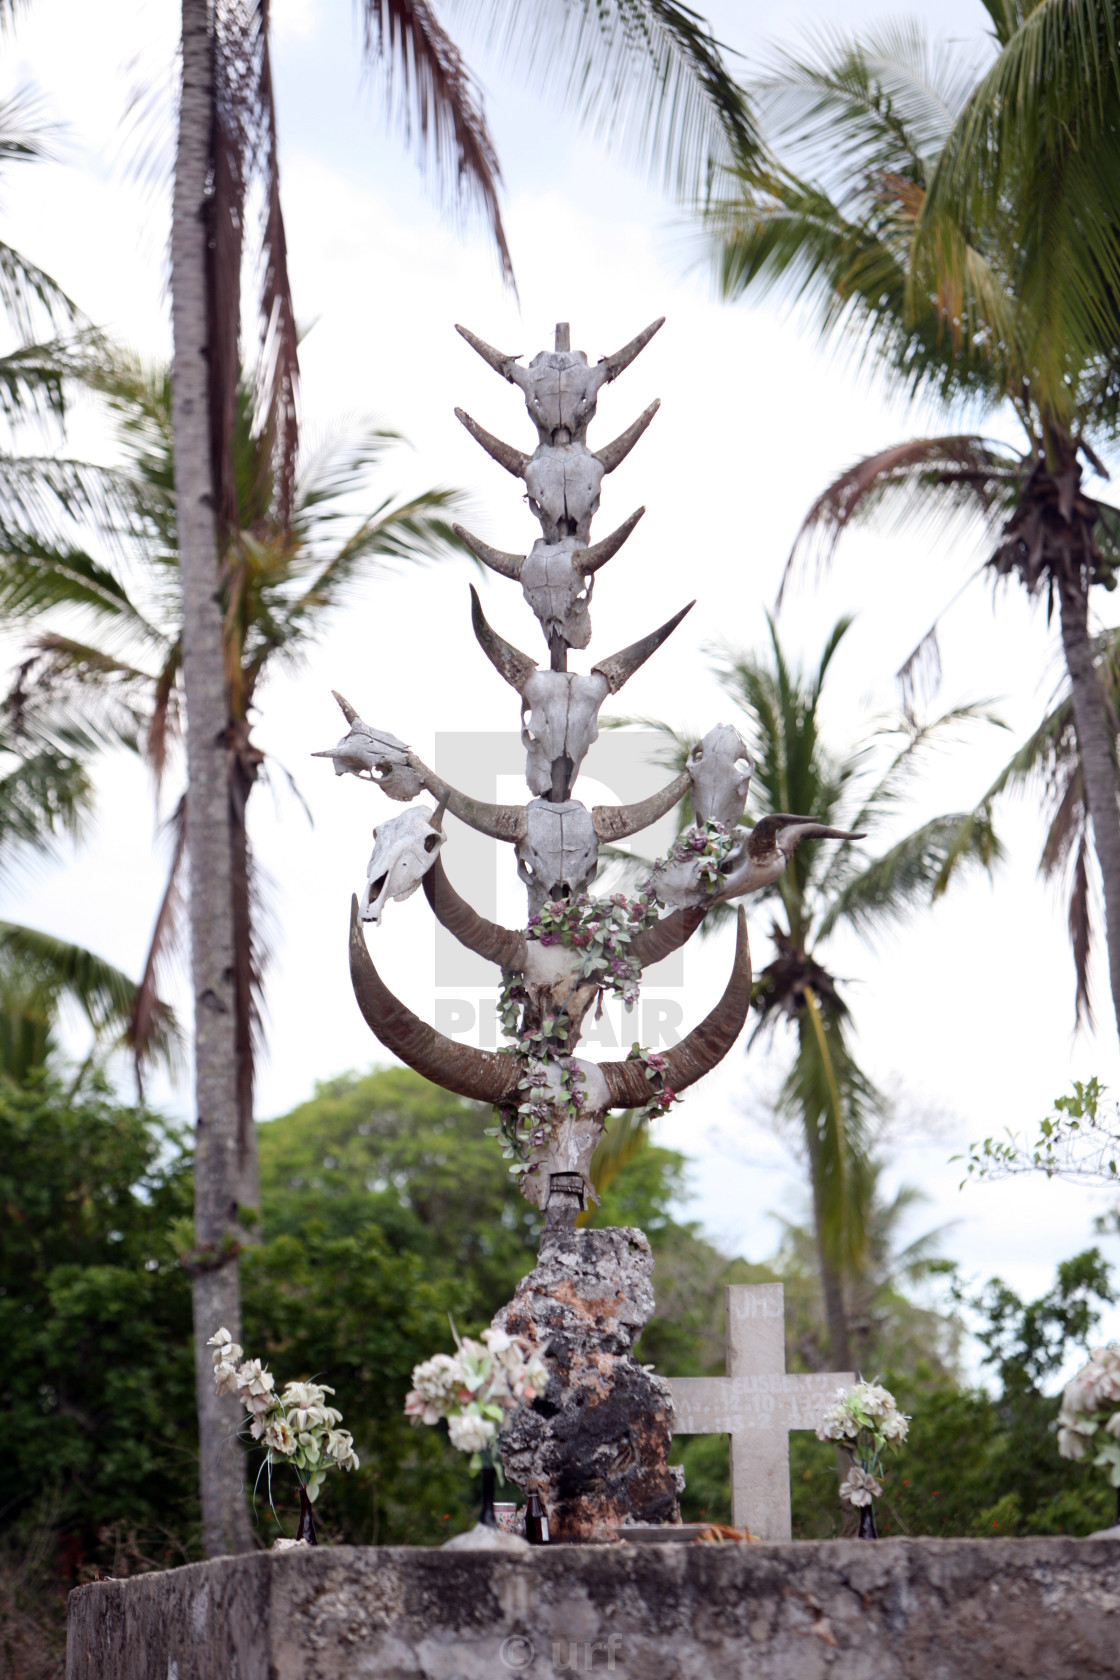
(585, 560)
(517, 667)
(508, 368)
(516, 461)
(488, 1076)
(508, 948)
(510, 822)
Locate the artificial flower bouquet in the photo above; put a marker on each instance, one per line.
(866, 1420)
(295, 1427)
(1089, 1417)
(476, 1388)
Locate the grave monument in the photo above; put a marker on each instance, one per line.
(597, 1443)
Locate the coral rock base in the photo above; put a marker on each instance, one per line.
(597, 1442)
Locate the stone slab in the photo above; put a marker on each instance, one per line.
(890, 1610)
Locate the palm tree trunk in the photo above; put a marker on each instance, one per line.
(1096, 732)
(832, 1286)
(242, 775)
(225, 1519)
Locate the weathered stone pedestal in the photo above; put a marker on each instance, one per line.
(597, 1442)
(891, 1610)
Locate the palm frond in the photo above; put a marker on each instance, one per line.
(851, 108)
(63, 972)
(47, 793)
(914, 871)
(147, 1013)
(648, 77)
(438, 106)
(935, 480)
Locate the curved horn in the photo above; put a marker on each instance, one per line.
(664, 937)
(615, 453)
(506, 565)
(481, 1074)
(617, 822)
(590, 559)
(494, 358)
(515, 667)
(500, 822)
(705, 1045)
(620, 667)
(513, 460)
(348, 711)
(504, 946)
(622, 358)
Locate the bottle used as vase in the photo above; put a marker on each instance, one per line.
(487, 1517)
(867, 1529)
(306, 1529)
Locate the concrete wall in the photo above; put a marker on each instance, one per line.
(889, 1610)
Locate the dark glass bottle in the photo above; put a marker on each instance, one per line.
(306, 1529)
(536, 1519)
(486, 1517)
(867, 1529)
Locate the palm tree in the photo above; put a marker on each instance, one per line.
(962, 233)
(824, 889)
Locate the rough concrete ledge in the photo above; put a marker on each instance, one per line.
(891, 1610)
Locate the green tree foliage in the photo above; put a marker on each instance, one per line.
(384, 1210)
(95, 1318)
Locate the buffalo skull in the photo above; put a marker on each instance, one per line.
(404, 849)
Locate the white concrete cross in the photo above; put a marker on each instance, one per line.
(757, 1404)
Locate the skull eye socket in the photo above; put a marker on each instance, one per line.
(431, 841)
(697, 754)
(744, 766)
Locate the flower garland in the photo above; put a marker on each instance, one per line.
(706, 845)
(1089, 1418)
(476, 1389)
(866, 1420)
(661, 1097)
(600, 929)
(295, 1427)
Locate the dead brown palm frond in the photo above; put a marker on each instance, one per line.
(165, 946)
(438, 104)
(244, 162)
(972, 474)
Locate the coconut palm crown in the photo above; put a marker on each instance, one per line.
(957, 224)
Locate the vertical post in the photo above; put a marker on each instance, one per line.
(563, 336)
(760, 1470)
(216, 1296)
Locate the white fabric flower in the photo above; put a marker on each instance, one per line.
(895, 1427)
(280, 1437)
(225, 1379)
(859, 1487)
(471, 1433)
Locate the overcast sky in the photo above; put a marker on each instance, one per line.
(965, 1014)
